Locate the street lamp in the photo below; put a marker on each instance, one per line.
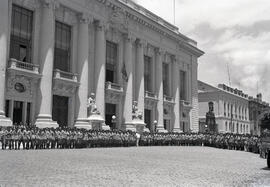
(113, 121)
(154, 125)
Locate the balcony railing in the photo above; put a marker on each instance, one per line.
(149, 94)
(16, 64)
(113, 86)
(167, 98)
(65, 75)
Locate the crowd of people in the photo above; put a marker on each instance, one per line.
(224, 141)
(21, 137)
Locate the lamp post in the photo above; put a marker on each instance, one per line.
(113, 121)
(154, 126)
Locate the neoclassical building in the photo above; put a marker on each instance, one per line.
(55, 53)
(231, 107)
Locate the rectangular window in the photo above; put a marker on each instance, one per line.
(147, 73)
(165, 76)
(21, 34)
(111, 61)
(62, 49)
(183, 85)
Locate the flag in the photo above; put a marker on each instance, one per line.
(124, 73)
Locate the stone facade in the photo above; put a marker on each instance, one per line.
(257, 108)
(231, 107)
(38, 89)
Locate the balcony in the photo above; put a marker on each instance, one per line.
(150, 95)
(150, 99)
(113, 86)
(168, 98)
(24, 68)
(64, 83)
(113, 93)
(58, 74)
(185, 104)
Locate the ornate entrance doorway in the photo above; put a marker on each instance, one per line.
(17, 112)
(60, 110)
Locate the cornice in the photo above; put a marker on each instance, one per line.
(143, 16)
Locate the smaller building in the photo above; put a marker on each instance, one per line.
(230, 106)
(256, 108)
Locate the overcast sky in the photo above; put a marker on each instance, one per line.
(233, 32)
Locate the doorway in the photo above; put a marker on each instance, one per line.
(17, 112)
(110, 110)
(60, 110)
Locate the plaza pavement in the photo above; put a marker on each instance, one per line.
(135, 166)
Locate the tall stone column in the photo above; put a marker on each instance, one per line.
(176, 94)
(4, 17)
(140, 76)
(83, 51)
(44, 118)
(127, 112)
(100, 55)
(159, 86)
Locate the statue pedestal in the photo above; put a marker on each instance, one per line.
(97, 122)
(162, 130)
(139, 125)
(5, 122)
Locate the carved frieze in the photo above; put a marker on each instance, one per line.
(19, 86)
(113, 97)
(64, 88)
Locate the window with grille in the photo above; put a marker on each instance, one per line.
(62, 47)
(183, 85)
(147, 73)
(165, 76)
(21, 34)
(111, 61)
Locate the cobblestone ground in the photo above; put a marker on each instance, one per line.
(142, 166)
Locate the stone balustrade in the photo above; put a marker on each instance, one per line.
(65, 75)
(16, 64)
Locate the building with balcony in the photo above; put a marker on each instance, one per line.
(257, 108)
(55, 53)
(231, 108)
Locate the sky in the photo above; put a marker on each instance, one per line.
(234, 34)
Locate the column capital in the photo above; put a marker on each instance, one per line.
(159, 51)
(129, 37)
(141, 42)
(85, 18)
(52, 4)
(101, 25)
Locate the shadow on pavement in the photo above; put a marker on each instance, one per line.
(265, 168)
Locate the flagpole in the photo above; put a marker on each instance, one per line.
(174, 12)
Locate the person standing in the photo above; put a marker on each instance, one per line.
(138, 136)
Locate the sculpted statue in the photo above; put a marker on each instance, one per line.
(136, 113)
(92, 104)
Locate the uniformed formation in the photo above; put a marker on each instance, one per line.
(224, 141)
(21, 137)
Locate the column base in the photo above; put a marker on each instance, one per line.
(83, 124)
(129, 126)
(45, 121)
(5, 122)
